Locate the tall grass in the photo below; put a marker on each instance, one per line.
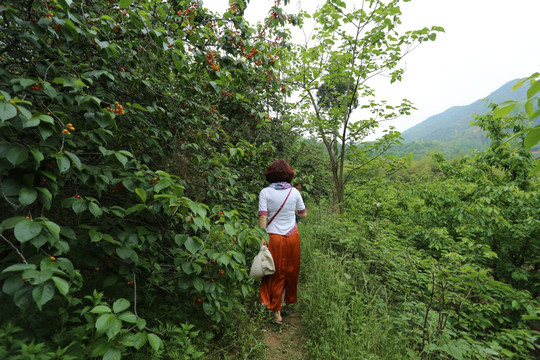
(346, 316)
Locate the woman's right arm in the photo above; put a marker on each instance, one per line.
(262, 221)
(263, 213)
(262, 224)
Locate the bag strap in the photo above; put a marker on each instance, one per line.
(273, 217)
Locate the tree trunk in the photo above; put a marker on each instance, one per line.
(339, 188)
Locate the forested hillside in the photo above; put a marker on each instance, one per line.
(452, 131)
(454, 123)
(134, 135)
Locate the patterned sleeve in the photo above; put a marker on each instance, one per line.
(300, 203)
(263, 206)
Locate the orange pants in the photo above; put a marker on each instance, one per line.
(286, 253)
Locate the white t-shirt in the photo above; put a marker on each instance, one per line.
(270, 201)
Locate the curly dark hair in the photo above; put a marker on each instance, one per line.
(279, 171)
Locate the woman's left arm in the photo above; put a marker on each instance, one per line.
(300, 210)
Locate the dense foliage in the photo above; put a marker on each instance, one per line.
(133, 135)
(440, 266)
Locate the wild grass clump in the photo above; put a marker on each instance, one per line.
(345, 318)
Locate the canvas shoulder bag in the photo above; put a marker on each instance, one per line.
(263, 264)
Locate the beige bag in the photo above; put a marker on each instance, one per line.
(263, 264)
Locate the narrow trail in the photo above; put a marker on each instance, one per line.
(285, 342)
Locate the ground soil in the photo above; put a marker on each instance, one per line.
(286, 341)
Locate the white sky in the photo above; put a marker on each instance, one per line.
(486, 44)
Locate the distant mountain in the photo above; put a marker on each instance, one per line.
(454, 123)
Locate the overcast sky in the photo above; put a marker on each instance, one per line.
(486, 44)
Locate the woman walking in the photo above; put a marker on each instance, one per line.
(278, 205)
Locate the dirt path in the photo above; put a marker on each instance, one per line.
(286, 341)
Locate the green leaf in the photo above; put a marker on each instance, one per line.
(125, 3)
(104, 322)
(61, 284)
(26, 230)
(107, 17)
(7, 111)
(95, 209)
(198, 284)
(141, 193)
(187, 268)
(71, 28)
(127, 253)
(27, 82)
(19, 267)
(139, 340)
(518, 84)
(43, 293)
(536, 169)
(161, 185)
(112, 354)
(215, 86)
(74, 159)
(229, 229)
(123, 159)
(65, 4)
(120, 305)
(47, 119)
(114, 328)
(198, 221)
(535, 87)
(38, 277)
(17, 155)
(50, 91)
(79, 206)
(10, 223)
(38, 156)
(12, 284)
(128, 316)
(22, 297)
(45, 197)
(67, 265)
(100, 309)
(532, 138)
(53, 228)
(101, 348)
(5, 95)
(136, 208)
(155, 341)
(31, 122)
(208, 309)
(118, 211)
(27, 115)
(138, 107)
(501, 112)
(63, 163)
(141, 323)
(224, 259)
(27, 196)
(191, 245)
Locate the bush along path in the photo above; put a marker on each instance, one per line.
(125, 179)
(370, 290)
